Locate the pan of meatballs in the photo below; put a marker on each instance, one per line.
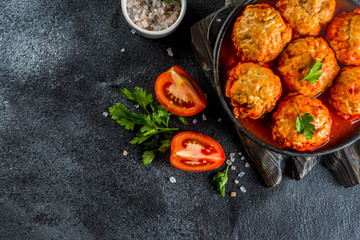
(288, 73)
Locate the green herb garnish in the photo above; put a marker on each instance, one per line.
(169, 1)
(314, 73)
(220, 179)
(303, 124)
(152, 125)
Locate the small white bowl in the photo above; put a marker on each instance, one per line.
(154, 34)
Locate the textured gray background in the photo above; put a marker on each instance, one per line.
(62, 171)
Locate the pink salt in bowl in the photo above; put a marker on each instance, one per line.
(144, 19)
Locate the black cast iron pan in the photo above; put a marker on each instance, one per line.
(342, 159)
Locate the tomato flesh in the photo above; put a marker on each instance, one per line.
(179, 93)
(196, 152)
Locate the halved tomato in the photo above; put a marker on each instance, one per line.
(179, 93)
(191, 151)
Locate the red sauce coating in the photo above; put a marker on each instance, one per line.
(341, 129)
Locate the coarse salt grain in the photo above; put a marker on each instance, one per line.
(194, 121)
(228, 162)
(233, 168)
(243, 189)
(170, 53)
(153, 15)
(247, 165)
(241, 174)
(232, 157)
(236, 181)
(218, 19)
(172, 180)
(219, 119)
(133, 31)
(122, 50)
(233, 194)
(136, 105)
(105, 114)
(204, 117)
(242, 158)
(125, 153)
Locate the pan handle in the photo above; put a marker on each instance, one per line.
(345, 165)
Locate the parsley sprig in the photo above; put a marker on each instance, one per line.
(152, 125)
(314, 73)
(303, 124)
(169, 1)
(220, 179)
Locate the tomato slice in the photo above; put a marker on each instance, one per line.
(179, 93)
(191, 151)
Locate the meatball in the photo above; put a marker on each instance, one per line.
(260, 33)
(345, 95)
(284, 127)
(306, 17)
(297, 60)
(343, 35)
(253, 89)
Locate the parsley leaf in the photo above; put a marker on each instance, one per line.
(165, 145)
(139, 96)
(182, 119)
(169, 1)
(303, 124)
(150, 127)
(126, 118)
(220, 179)
(314, 73)
(148, 156)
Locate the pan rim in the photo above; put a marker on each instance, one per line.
(216, 56)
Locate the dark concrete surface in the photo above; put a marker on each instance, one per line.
(62, 170)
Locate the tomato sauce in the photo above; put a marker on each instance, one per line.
(341, 129)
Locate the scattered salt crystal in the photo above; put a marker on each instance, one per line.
(194, 121)
(241, 174)
(105, 114)
(228, 162)
(204, 117)
(219, 119)
(240, 153)
(172, 180)
(125, 153)
(136, 105)
(233, 194)
(232, 154)
(218, 19)
(232, 159)
(122, 50)
(243, 189)
(133, 31)
(242, 158)
(247, 165)
(236, 181)
(205, 96)
(233, 168)
(170, 53)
